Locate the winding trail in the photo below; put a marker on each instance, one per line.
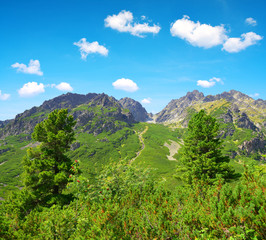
(142, 143)
(2, 163)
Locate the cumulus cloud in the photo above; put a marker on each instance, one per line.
(197, 34)
(63, 86)
(146, 101)
(125, 85)
(34, 67)
(31, 89)
(234, 45)
(251, 21)
(87, 48)
(124, 22)
(4, 96)
(209, 83)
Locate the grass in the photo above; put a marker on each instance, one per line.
(11, 167)
(97, 151)
(155, 153)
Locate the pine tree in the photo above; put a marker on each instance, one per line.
(201, 156)
(47, 168)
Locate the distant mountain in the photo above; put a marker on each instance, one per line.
(242, 119)
(239, 115)
(93, 112)
(139, 113)
(174, 111)
(234, 105)
(106, 131)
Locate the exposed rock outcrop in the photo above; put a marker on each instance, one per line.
(139, 113)
(234, 106)
(244, 122)
(175, 110)
(94, 120)
(4, 123)
(4, 150)
(257, 144)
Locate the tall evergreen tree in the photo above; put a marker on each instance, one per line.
(47, 168)
(201, 156)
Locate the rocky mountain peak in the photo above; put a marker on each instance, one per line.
(69, 100)
(239, 95)
(138, 111)
(81, 106)
(104, 100)
(194, 95)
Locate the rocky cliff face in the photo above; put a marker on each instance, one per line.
(176, 110)
(240, 117)
(4, 123)
(255, 145)
(244, 122)
(139, 113)
(103, 113)
(246, 111)
(94, 112)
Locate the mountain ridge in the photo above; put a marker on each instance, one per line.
(106, 131)
(83, 107)
(175, 111)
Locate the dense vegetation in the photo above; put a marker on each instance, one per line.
(47, 168)
(124, 201)
(201, 155)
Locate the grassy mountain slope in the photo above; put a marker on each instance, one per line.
(106, 133)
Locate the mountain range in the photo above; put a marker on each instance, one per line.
(108, 130)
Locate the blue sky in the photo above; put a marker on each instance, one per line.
(151, 51)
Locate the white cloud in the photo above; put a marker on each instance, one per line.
(146, 101)
(125, 85)
(197, 34)
(63, 86)
(205, 83)
(254, 95)
(123, 22)
(209, 83)
(86, 48)
(4, 96)
(31, 89)
(233, 45)
(143, 17)
(34, 67)
(251, 21)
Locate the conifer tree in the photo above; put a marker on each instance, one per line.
(47, 168)
(201, 156)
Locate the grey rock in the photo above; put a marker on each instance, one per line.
(244, 122)
(4, 150)
(257, 144)
(139, 113)
(175, 110)
(75, 146)
(26, 121)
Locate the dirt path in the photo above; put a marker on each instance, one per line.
(142, 143)
(31, 145)
(173, 148)
(2, 163)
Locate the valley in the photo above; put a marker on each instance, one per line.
(107, 132)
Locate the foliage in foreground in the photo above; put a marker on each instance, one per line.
(125, 203)
(47, 168)
(201, 154)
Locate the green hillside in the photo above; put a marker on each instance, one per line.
(107, 133)
(129, 187)
(94, 152)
